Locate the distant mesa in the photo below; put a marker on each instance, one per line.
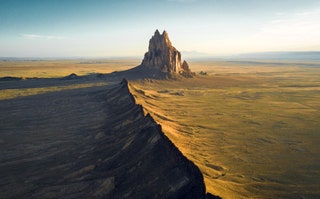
(164, 57)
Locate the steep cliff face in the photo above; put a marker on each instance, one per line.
(164, 57)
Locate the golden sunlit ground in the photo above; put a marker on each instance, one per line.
(61, 68)
(252, 130)
(251, 127)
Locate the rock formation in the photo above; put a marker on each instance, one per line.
(164, 57)
(162, 61)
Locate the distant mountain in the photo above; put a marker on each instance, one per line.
(297, 55)
(195, 54)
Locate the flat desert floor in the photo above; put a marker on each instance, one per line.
(252, 127)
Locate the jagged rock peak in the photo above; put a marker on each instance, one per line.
(164, 35)
(163, 56)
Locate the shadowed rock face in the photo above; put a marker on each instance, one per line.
(89, 143)
(164, 57)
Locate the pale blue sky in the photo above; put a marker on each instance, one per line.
(102, 28)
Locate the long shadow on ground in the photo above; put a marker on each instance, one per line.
(89, 142)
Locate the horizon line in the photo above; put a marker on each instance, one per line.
(189, 54)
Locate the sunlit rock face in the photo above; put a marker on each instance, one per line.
(163, 56)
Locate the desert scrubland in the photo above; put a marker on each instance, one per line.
(86, 138)
(252, 127)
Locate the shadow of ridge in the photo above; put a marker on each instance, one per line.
(61, 89)
(90, 143)
(19, 83)
(135, 73)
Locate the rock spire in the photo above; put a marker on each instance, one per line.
(164, 57)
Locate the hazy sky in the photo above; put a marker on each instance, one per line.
(60, 28)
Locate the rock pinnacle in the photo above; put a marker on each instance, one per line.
(164, 57)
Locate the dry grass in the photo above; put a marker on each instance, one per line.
(253, 129)
(22, 92)
(61, 68)
(253, 134)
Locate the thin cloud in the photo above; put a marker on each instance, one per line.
(42, 37)
(301, 28)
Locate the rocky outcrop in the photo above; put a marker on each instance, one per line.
(164, 57)
(162, 61)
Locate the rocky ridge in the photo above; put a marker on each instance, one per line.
(89, 143)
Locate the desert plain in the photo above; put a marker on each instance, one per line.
(251, 126)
